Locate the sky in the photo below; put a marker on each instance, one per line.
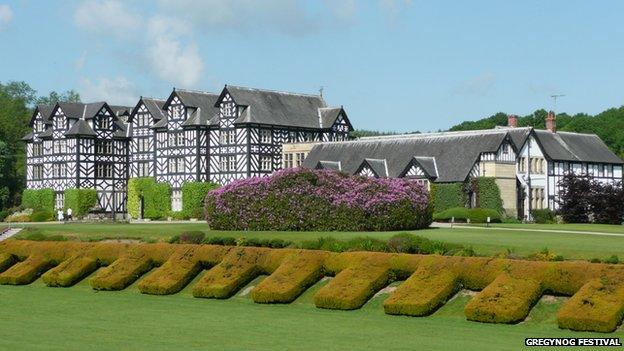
(395, 65)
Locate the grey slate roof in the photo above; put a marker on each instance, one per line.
(155, 107)
(46, 133)
(281, 109)
(160, 124)
(575, 147)
(329, 116)
(203, 100)
(45, 110)
(329, 165)
(455, 153)
(428, 164)
(81, 128)
(28, 137)
(80, 110)
(379, 166)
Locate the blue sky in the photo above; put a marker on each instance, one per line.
(394, 64)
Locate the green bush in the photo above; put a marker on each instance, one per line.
(191, 237)
(39, 199)
(193, 195)
(462, 214)
(173, 275)
(488, 193)
(42, 216)
(414, 244)
(80, 201)
(217, 240)
(70, 271)
(613, 259)
(544, 216)
(448, 195)
(156, 198)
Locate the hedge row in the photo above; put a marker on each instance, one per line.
(70, 271)
(81, 201)
(39, 199)
(506, 300)
(172, 276)
(297, 273)
(509, 287)
(597, 306)
(488, 193)
(156, 198)
(423, 292)
(463, 214)
(448, 195)
(193, 196)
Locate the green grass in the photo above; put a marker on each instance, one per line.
(601, 228)
(42, 318)
(484, 242)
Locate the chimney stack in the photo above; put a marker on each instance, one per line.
(512, 121)
(551, 122)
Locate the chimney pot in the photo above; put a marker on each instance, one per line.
(551, 122)
(512, 121)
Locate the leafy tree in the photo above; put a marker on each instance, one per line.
(607, 203)
(54, 97)
(574, 198)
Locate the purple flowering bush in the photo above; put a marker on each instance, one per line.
(318, 200)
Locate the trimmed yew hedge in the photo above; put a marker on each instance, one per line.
(509, 288)
(80, 201)
(506, 300)
(193, 195)
(39, 199)
(156, 198)
(597, 306)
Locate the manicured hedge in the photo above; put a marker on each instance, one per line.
(488, 193)
(39, 199)
(448, 195)
(354, 285)
(239, 267)
(172, 276)
(193, 196)
(26, 271)
(80, 201)
(506, 300)
(304, 199)
(462, 214)
(543, 216)
(597, 306)
(422, 293)
(297, 272)
(121, 273)
(6, 261)
(156, 198)
(70, 271)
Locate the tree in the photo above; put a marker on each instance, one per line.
(54, 97)
(574, 198)
(607, 202)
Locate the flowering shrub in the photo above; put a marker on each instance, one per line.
(322, 200)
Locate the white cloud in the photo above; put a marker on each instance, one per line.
(479, 85)
(6, 16)
(106, 16)
(287, 16)
(171, 54)
(342, 9)
(116, 91)
(80, 61)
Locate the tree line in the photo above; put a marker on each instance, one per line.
(17, 103)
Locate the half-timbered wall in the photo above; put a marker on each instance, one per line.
(35, 155)
(142, 144)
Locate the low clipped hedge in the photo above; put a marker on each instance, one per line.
(81, 201)
(298, 272)
(597, 306)
(543, 216)
(193, 196)
(318, 200)
(156, 198)
(462, 214)
(39, 199)
(448, 195)
(172, 276)
(70, 271)
(423, 292)
(121, 273)
(505, 300)
(6, 261)
(27, 271)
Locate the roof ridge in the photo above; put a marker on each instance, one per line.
(276, 91)
(152, 98)
(196, 91)
(437, 134)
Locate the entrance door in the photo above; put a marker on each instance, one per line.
(141, 207)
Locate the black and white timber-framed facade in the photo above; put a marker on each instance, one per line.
(191, 136)
(80, 145)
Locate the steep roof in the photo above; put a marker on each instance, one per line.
(153, 106)
(428, 164)
(81, 128)
(575, 147)
(45, 110)
(28, 137)
(279, 108)
(195, 99)
(81, 110)
(379, 166)
(455, 153)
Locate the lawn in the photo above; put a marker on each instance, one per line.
(601, 228)
(41, 318)
(484, 242)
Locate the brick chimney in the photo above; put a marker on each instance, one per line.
(512, 121)
(551, 122)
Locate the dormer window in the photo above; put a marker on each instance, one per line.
(59, 123)
(104, 123)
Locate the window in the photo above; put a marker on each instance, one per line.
(176, 200)
(505, 149)
(104, 170)
(58, 170)
(288, 161)
(143, 169)
(105, 147)
(265, 136)
(176, 165)
(37, 172)
(265, 163)
(538, 197)
(37, 149)
(292, 137)
(59, 147)
(228, 137)
(60, 201)
(181, 140)
(609, 171)
(299, 157)
(177, 139)
(104, 122)
(59, 122)
(228, 163)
